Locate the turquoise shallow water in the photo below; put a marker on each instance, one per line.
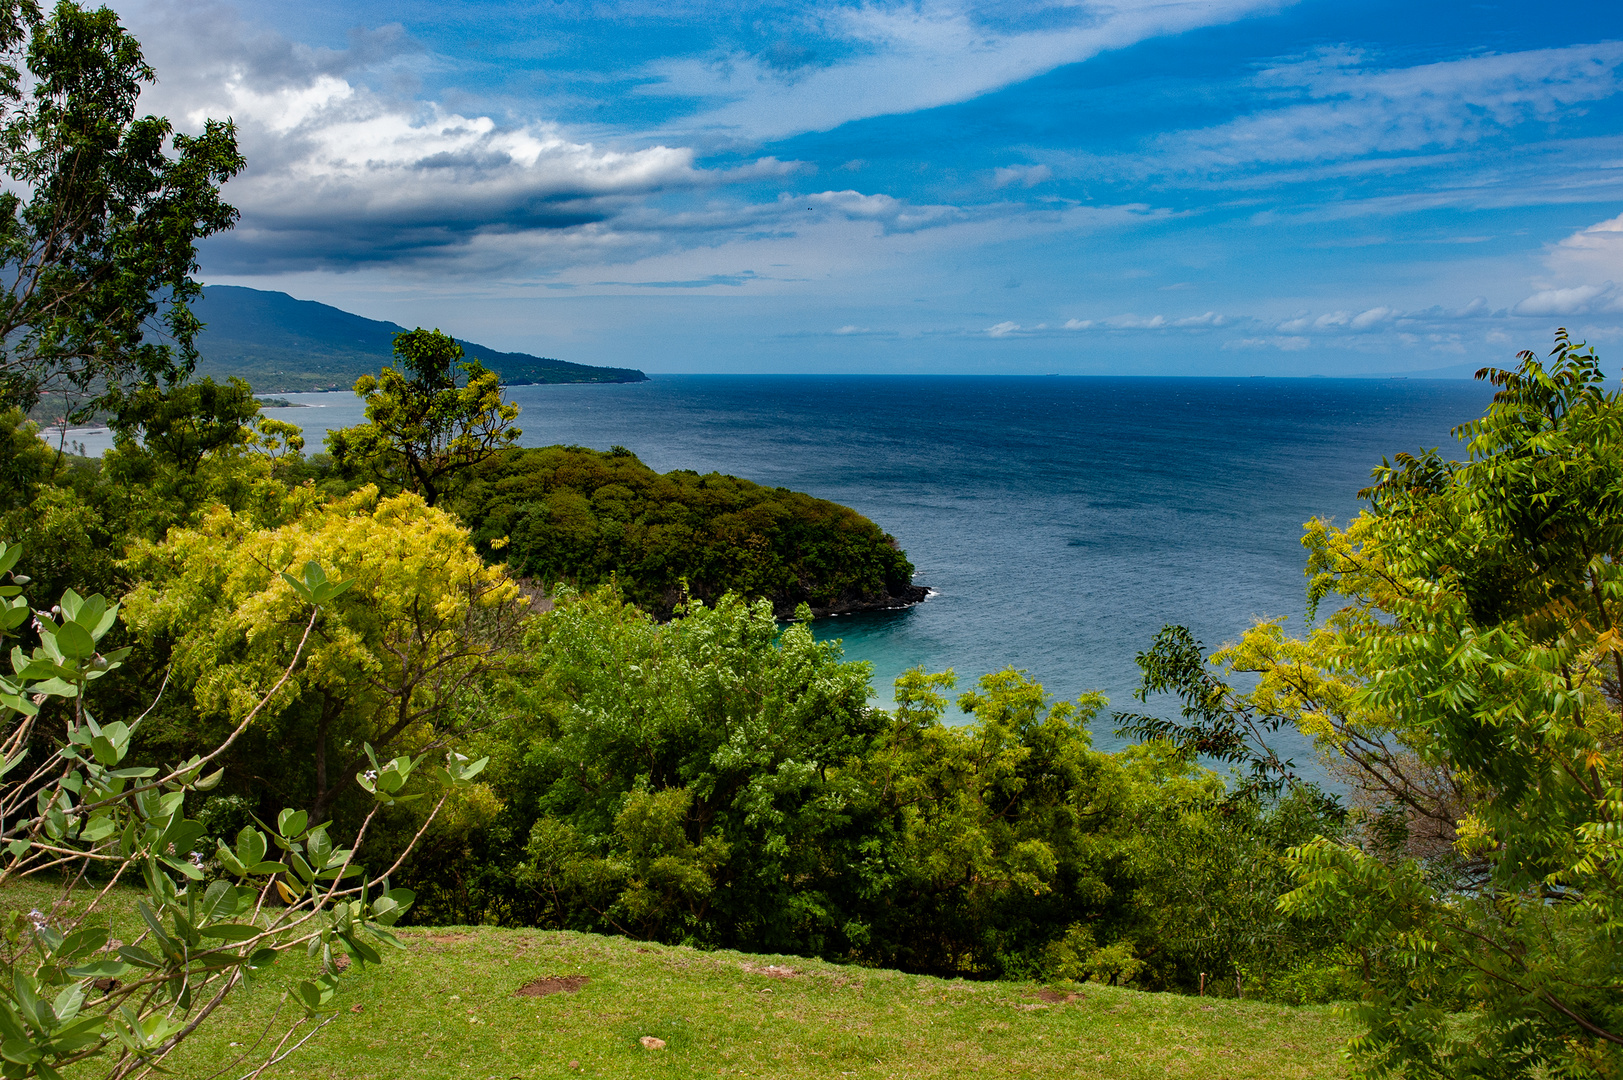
(1061, 521)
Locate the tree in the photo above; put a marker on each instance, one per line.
(100, 217)
(25, 460)
(388, 662)
(76, 808)
(181, 425)
(690, 773)
(1470, 687)
(720, 779)
(422, 428)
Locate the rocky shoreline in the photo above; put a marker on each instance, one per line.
(894, 598)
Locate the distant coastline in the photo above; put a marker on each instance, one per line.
(282, 345)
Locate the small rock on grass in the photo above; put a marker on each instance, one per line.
(651, 1043)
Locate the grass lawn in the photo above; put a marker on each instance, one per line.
(449, 1007)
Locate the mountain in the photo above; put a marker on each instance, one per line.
(283, 345)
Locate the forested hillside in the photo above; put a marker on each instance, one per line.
(283, 345)
(580, 516)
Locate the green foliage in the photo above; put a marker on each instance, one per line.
(689, 772)
(181, 425)
(584, 517)
(394, 660)
(1468, 690)
(78, 802)
(100, 216)
(1215, 721)
(25, 460)
(423, 429)
(720, 780)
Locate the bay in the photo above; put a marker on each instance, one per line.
(1061, 522)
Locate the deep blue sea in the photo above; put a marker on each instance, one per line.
(1060, 521)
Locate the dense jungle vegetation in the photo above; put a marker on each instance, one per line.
(719, 780)
(228, 661)
(585, 517)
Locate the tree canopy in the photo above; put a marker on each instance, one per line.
(424, 620)
(100, 217)
(422, 429)
(579, 516)
(1469, 689)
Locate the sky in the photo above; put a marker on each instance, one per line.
(1190, 187)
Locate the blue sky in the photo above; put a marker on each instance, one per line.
(1201, 187)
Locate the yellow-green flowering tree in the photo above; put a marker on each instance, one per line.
(390, 663)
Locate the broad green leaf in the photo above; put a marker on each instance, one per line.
(82, 943)
(21, 1052)
(134, 954)
(101, 969)
(67, 1003)
(75, 641)
(182, 866)
(90, 614)
(219, 900)
(291, 823)
(106, 753)
(251, 846)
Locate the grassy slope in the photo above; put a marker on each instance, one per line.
(446, 1008)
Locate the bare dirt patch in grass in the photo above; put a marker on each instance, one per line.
(553, 984)
(1057, 997)
(772, 971)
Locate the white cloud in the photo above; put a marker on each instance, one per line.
(1025, 175)
(341, 173)
(1002, 329)
(1578, 300)
(1341, 114)
(896, 215)
(1136, 322)
(904, 57)
(1376, 316)
(1285, 343)
(1595, 252)
(1205, 320)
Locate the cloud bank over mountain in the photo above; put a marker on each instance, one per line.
(938, 185)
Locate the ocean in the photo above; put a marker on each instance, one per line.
(1060, 522)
